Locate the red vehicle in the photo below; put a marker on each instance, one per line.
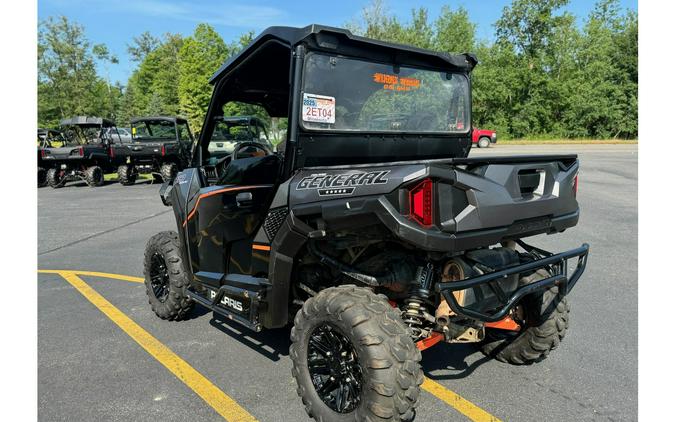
(483, 138)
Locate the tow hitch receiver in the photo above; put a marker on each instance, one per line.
(556, 264)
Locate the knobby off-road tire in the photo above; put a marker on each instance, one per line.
(483, 143)
(126, 175)
(546, 322)
(168, 171)
(93, 176)
(42, 177)
(54, 178)
(388, 361)
(166, 278)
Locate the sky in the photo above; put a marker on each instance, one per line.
(115, 23)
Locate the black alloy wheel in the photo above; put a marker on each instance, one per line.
(334, 369)
(159, 276)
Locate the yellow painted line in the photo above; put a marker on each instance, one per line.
(451, 398)
(96, 274)
(219, 401)
(460, 404)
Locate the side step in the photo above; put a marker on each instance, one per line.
(239, 298)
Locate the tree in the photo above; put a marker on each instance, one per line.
(199, 57)
(67, 80)
(141, 46)
(454, 32)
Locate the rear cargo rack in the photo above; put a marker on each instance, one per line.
(556, 264)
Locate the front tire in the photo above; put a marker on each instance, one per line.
(166, 278)
(546, 319)
(168, 171)
(376, 375)
(93, 176)
(54, 178)
(42, 177)
(484, 143)
(126, 174)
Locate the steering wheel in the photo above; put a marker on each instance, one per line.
(242, 145)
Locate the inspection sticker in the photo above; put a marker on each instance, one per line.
(318, 108)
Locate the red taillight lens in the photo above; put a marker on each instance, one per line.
(81, 151)
(163, 150)
(43, 153)
(575, 186)
(421, 202)
(112, 152)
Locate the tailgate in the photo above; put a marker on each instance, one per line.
(526, 194)
(139, 149)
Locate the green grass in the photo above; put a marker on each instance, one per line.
(112, 177)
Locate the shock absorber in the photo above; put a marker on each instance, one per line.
(415, 312)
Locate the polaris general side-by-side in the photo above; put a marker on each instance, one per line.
(46, 138)
(83, 154)
(373, 233)
(160, 145)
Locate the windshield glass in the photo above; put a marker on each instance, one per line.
(226, 135)
(81, 135)
(153, 130)
(343, 94)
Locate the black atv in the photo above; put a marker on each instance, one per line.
(374, 233)
(46, 138)
(84, 153)
(160, 145)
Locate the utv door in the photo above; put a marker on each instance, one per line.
(224, 218)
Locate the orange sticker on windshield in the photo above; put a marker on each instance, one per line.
(394, 83)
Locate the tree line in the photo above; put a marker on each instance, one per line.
(544, 75)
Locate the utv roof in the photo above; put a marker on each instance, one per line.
(174, 119)
(340, 40)
(87, 121)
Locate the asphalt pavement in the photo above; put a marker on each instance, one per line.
(91, 367)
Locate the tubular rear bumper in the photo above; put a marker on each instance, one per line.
(555, 264)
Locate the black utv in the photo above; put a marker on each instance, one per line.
(374, 234)
(160, 145)
(46, 138)
(83, 154)
(231, 131)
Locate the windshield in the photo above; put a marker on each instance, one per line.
(81, 135)
(343, 94)
(153, 130)
(227, 135)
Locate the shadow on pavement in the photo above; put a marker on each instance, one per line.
(271, 344)
(450, 359)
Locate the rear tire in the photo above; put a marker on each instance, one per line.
(376, 350)
(126, 174)
(93, 176)
(42, 177)
(547, 319)
(484, 142)
(54, 178)
(168, 171)
(166, 279)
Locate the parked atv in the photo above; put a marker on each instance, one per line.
(160, 146)
(46, 138)
(373, 233)
(84, 153)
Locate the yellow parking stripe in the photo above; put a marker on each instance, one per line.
(219, 401)
(461, 404)
(96, 274)
(176, 365)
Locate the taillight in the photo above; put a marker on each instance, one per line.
(575, 186)
(81, 151)
(421, 202)
(43, 153)
(112, 152)
(163, 150)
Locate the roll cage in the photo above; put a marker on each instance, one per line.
(247, 77)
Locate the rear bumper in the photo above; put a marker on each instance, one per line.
(556, 264)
